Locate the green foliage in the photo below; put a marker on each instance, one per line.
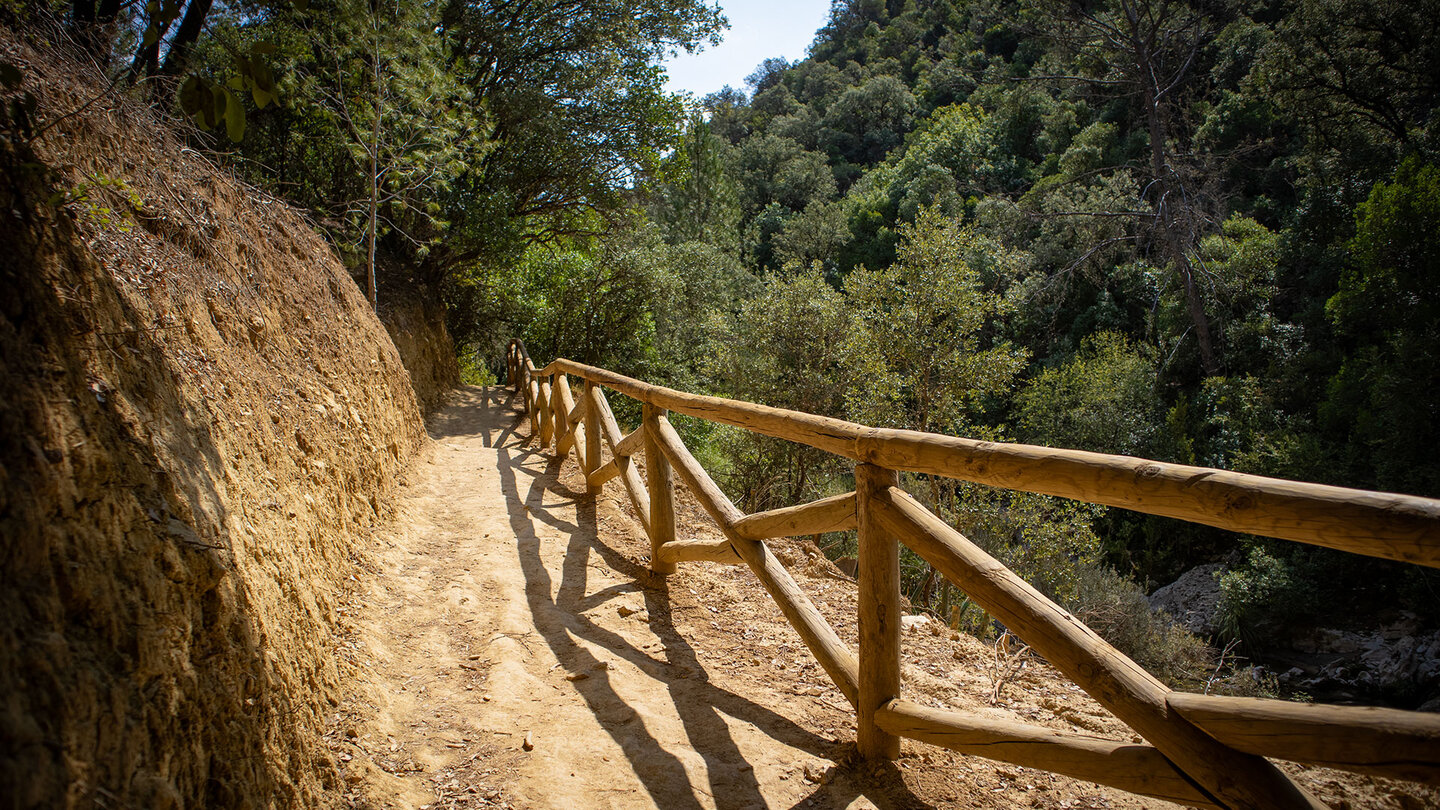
(1396, 250)
(1242, 262)
(925, 357)
(866, 122)
(1047, 541)
(1240, 428)
(708, 285)
(599, 301)
(575, 101)
(489, 125)
(211, 104)
(817, 234)
(1105, 399)
(946, 163)
(1356, 73)
(786, 348)
(94, 201)
(1387, 311)
(772, 169)
(1262, 595)
(474, 369)
(697, 199)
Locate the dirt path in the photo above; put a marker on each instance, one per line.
(510, 649)
(498, 616)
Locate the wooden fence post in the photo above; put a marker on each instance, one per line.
(532, 399)
(592, 440)
(879, 586)
(661, 482)
(558, 413)
(547, 425)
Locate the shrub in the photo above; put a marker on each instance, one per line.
(1102, 400)
(1263, 595)
(1116, 608)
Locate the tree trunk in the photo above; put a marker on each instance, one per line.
(1170, 218)
(374, 184)
(190, 27)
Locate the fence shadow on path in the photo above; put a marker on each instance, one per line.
(558, 609)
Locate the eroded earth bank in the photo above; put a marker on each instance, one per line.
(201, 423)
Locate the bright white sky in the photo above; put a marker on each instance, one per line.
(759, 29)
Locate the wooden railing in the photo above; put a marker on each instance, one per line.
(1202, 750)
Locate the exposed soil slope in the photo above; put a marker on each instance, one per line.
(417, 326)
(201, 421)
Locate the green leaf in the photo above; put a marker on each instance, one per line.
(301, 5)
(234, 117)
(235, 83)
(191, 95)
(262, 49)
(152, 35)
(262, 85)
(212, 105)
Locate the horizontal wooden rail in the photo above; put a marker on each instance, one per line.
(1378, 524)
(605, 474)
(833, 514)
(1119, 684)
(1383, 742)
(720, 551)
(1136, 768)
(632, 443)
(834, 435)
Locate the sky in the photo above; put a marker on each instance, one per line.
(759, 29)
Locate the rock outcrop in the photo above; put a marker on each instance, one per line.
(1193, 600)
(1397, 663)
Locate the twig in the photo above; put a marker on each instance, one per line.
(1219, 665)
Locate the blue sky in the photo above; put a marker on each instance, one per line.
(759, 29)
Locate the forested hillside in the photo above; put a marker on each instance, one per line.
(1200, 232)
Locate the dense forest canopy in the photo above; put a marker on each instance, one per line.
(1201, 231)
